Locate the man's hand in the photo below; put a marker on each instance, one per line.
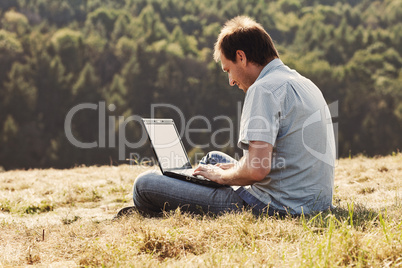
(211, 172)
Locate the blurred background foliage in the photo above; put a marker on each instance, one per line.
(130, 54)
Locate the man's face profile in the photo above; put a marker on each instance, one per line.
(236, 72)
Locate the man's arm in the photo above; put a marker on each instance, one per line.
(251, 168)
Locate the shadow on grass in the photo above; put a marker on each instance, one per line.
(354, 215)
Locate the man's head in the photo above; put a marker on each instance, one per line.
(243, 33)
(244, 48)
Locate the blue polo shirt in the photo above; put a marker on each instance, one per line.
(288, 111)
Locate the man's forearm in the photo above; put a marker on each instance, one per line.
(245, 172)
(238, 175)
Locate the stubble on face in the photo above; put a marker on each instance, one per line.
(235, 73)
(240, 72)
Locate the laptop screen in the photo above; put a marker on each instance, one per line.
(167, 144)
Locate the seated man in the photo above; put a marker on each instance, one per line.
(286, 134)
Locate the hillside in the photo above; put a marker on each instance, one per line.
(124, 57)
(62, 218)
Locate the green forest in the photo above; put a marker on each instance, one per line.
(125, 55)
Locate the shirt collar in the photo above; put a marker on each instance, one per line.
(273, 64)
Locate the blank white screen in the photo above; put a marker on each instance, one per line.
(167, 146)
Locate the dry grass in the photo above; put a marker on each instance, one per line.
(62, 218)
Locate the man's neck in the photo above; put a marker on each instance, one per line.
(254, 70)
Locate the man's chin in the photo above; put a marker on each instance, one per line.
(243, 89)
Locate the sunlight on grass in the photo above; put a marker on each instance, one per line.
(63, 218)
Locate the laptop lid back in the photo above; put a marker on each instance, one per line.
(167, 145)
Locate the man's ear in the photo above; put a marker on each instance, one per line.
(241, 57)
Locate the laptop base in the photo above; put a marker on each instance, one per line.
(193, 179)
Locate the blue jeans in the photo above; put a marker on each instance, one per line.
(154, 193)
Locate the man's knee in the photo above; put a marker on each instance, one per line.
(144, 184)
(145, 181)
(140, 181)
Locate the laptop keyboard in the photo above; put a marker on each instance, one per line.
(189, 172)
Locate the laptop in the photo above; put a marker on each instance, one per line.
(171, 156)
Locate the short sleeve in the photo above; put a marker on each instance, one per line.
(260, 117)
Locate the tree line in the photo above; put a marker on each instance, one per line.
(125, 55)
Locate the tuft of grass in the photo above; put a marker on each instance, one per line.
(366, 190)
(19, 206)
(5, 206)
(383, 169)
(68, 220)
(170, 244)
(43, 206)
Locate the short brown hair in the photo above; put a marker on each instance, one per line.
(243, 33)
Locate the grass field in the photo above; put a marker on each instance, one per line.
(62, 218)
